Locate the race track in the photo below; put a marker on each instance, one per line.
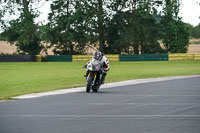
(171, 106)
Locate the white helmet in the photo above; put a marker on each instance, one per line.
(98, 55)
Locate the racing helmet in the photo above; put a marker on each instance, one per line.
(98, 55)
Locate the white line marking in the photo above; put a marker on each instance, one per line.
(141, 81)
(160, 95)
(160, 104)
(99, 115)
(35, 95)
(182, 109)
(108, 85)
(141, 104)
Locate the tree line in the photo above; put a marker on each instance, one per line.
(112, 26)
(194, 31)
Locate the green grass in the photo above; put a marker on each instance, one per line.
(23, 78)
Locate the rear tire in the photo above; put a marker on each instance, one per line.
(96, 88)
(89, 84)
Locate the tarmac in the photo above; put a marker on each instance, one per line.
(159, 105)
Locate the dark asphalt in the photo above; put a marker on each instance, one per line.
(161, 107)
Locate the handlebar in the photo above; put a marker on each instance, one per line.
(85, 66)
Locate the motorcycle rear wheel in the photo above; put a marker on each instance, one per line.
(95, 88)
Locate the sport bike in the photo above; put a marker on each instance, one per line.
(93, 76)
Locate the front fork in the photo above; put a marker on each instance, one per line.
(94, 78)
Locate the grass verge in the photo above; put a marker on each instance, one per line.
(23, 78)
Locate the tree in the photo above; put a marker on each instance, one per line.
(195, 31)
(70, 26)
(80, 22)
(135, 25)
(144, 27)
(23, 30)
(176, 35)
(116, 27)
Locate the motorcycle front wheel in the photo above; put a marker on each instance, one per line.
(89, 84)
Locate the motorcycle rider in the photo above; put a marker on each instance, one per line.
(101, 58)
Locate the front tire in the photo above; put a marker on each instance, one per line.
(89, 84)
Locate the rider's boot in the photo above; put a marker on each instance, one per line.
(103, 78)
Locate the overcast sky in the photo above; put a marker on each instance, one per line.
(189, 11)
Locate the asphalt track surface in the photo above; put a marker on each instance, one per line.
(161, 107)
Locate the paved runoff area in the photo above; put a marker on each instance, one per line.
(160, 105)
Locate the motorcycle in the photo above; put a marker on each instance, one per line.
(93, 76)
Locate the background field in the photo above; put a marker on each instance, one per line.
(23, 78)
(6, 48)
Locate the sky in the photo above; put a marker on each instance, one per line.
(190, 12)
